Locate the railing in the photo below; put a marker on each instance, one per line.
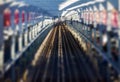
(11, 62)
(77, 28)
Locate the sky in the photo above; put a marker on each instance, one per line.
(52, 6)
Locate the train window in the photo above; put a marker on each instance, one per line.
(16, 17)
(7, 19)
(23, 16)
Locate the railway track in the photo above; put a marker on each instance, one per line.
(82, 67)
(62, 60)
(44, 59)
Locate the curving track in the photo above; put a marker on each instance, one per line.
(62, 60)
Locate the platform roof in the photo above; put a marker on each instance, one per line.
(55, 7)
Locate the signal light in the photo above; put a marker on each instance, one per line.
(23, 16)
(16, 17)
(7, 21)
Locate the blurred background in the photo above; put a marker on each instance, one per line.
(24, 24)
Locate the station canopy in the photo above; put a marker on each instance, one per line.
(56, 7)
